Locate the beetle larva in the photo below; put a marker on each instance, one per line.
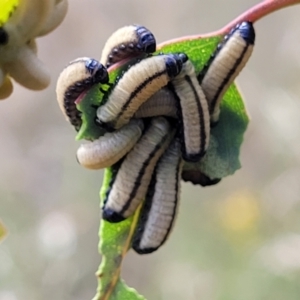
(136, 86)
(159, 211)
(110, 148)
(162, 103)
(225, 64)
(193, 113)
(80, 75)
(132, 179)
(127, 42)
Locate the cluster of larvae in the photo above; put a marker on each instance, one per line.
(157, 115)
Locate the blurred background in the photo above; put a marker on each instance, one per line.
(237, 240)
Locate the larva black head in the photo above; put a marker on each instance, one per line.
(3, 36)
(76, 79)
(97, 70)
(139, 250)
(183, 57)
(128, 42)
(247, 32)
(147, 42)
(174, 63)
(112, 216)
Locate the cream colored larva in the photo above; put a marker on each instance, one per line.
(159, 211)
(225, 64)
(127, 42)
(129, 186)
(111, 147)
(193, 113)
(162, 103)
(136, 86)
(79, 75)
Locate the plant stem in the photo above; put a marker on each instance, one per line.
(259, 11)
(253, 14)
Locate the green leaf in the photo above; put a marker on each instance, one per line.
(198, 50)
(115, 241)
(89, 130)
(222, 159)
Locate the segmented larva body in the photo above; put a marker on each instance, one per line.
(130, 184)
(162, 103)
(193, 113)
(136, 86)
(127, 42)
(225, 64)
(111, 147)
(159, 211)
(79, 76)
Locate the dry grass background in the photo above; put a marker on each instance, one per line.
(238, 240)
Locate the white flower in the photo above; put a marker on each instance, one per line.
(18, 51)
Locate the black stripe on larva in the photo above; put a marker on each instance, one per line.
(143, 220)
(173, 65)
(196, 157)
(145, 215)
(108, 127)
(114, 171)
(203, 136)
(108, 214)
(177, 195)
(111, 215)
(179, 132)
(247, 33)
(227, 78)
(3, 36)
(136, 91)
(140, 175)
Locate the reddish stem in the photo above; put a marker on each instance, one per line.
(253, 14)
(260, 10)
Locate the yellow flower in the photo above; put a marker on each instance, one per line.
(18, 59)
